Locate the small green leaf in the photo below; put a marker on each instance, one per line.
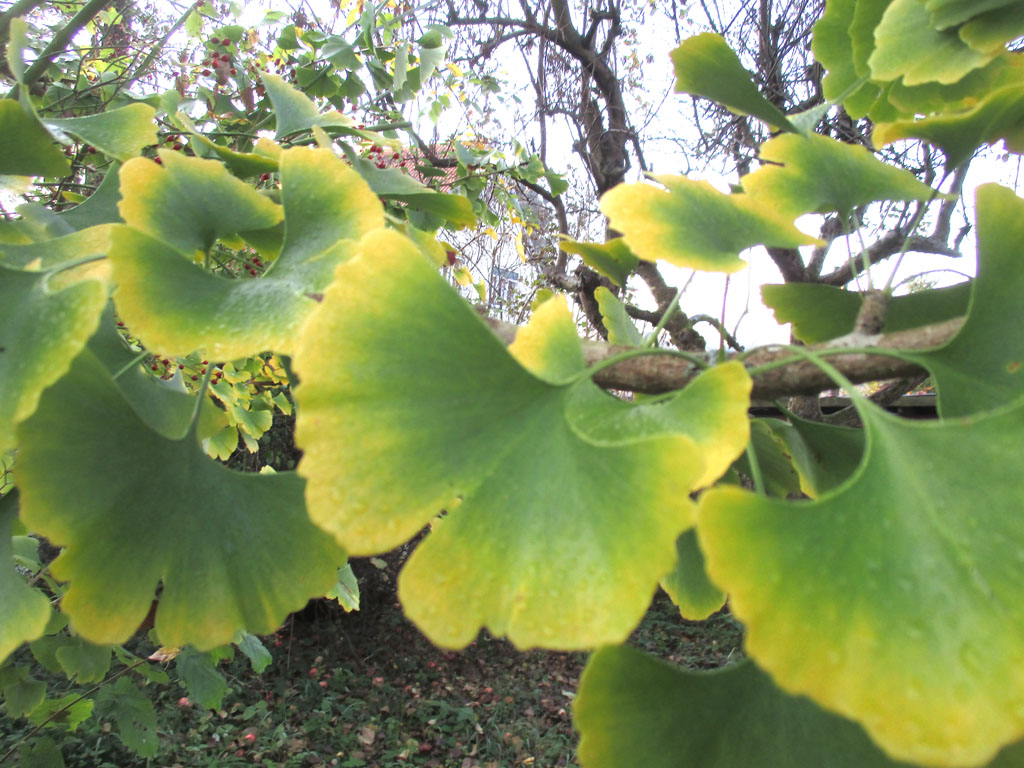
(792, 178)
(120, 133)
(205, 684)
(392, 184)
(779, 475)
(825, 455)
(27, 148)
(68, 711)
(82, 661)
(950, 13)
(894, 599)
(22, 693)
(346, 591)
(133, 713)
(295, 112)
(46, 323)
(430, 59)
(706, 66)
(832, 45)
(688, 584)
(241, 554)
(613, 312)
(42, 753)
(568, 560)
(634, 710)
(612, 258)
(692, 224)
(908, 46)
(254, 650)
(823, 312)
(990, 32)
(24, 611)
(401, 65)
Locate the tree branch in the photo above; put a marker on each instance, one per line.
(888, 246)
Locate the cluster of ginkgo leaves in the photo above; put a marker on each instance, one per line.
(883, 614)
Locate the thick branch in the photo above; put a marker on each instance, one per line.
(661, 373)
(888, 246)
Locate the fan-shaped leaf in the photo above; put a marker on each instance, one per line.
(706, 66)
(833, 48)
(950, 13)
(570, 559)
(612, 258)
(688, 584)
(613, 312)
(27, 148)
(24, 611)
(691, 224)
(177, 307)
(120, 133)
(896, 599)
(232, 550)
(294, 110)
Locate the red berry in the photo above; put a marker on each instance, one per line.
(158, 161)
(203, 371)
(120, 324)
(180, 366)
(252, 272)
(225, 58)
(226, 41)
(234, 71)
(206, 73)
(203, 363)
(195, 378)
(153, 367)
(361, 127)
(265, 177)
(177, 147)
(395, 156)
(451, 257)
(166, 362)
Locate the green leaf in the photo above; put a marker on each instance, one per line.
(47, 320)
(82, 661)
(548, 346)
(792, 176)
(832, 46)
(327, 209)
(779, 475)
(133, 713)
(950, 13)
(825, 455)
(24, 611)
(68, 711)
(964, 94)
(392, 184)
(120, 133)
(908, 46)
(346, 591)
(48, 254)
(295, 111)
(22, 693)
(706, 66)
(27, 149)
(401, 65)
(431, 58)
(990, 32)
(983, 366)
(568, 560)
(43, 753)
(688, 584)
(895, 599)
(612, 258)
(634, 710)
(613, 312)
(263, 159)
(205, 684)
(691, 224)
(999, 115)
(16, 46)
(823, 312)
(241, 554)
(254, 650)
(188, 203)
(341, 54)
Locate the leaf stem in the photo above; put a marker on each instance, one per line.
(135, 361)
(755, 469)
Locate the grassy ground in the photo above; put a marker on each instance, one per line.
(366, 689)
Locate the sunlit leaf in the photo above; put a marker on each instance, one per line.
(822, 312)
(327, 206)
(263, 159)
(612, 258)
(254, 650)
(346, 591)
(613, 312)
(120, 133)
(568, 560)
(908, 46)
(46, 255)
(983, 365)
(894, 599)
(688, 584)
(45, 326)
(964, 94)
(549, 347)
(232, 550)
(24, 611)
(634, 710)
(833, 48)
(791, 176)
(392, 184)
(950, 13)
(27, 148)
(692, 224)
(706, 66)
(133, 713)
(295, 112)
(999, 115)
(991, 31)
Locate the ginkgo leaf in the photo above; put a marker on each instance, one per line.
(711, 411)
(634, 710)
(928, 98)
(612, 258)
(232, 550)
(832, 46)
(692, 224)
(47, 254)
(895, 599)
(982, 366)
(45, 325)
(295, 112)
(792, 179)
(548, 347)
(392, 184)
(991, 31)
(999, 115)
(908, 46)
(822, 312)
(779, 475)
(24, 611)
(950, 13)
(120, 133)
(263, 159)
(188, 203)
(706, 66)
(825, 455)
(27, 148)
(570, 559)
(616, 321)
(688, 584)
(177, 307)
